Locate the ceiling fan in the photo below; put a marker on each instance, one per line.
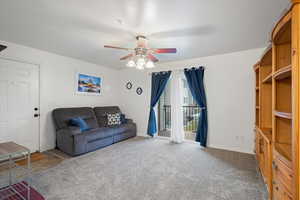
(142, 56)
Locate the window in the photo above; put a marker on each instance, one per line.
(191, 113)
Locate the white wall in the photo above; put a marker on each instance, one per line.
(229, 81)
(57, 74)
(136, 106)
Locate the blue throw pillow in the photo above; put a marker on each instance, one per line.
(78, 121)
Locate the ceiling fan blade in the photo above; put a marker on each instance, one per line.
(165, 50)
(113, 47)
(125, 57)
(152, 58)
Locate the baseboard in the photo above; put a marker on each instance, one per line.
(213, 146)
(142, 135)
(230, 149)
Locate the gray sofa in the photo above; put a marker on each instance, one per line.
(72, 141)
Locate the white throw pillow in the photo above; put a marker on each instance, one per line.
(113, 119)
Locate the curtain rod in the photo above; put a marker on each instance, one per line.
(175, 70)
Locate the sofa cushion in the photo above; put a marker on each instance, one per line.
(124, 136)
(98, 133)
(101, 114)
(118, 129)
(62, 116)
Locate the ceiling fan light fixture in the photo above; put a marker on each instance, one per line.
(150, 64)
(140, 67)
(141, 56)
(140, 61)
(131, 64)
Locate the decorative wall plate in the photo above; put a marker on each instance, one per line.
(139, 91)
(129, 85)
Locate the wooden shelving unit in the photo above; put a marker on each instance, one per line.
(282, 83)
(265, 85)
(277, 109)
(282, 106)
(257, 89)
(263, 109)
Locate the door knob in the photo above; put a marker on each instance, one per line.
(36, 115)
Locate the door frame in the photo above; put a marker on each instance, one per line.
(39, 92)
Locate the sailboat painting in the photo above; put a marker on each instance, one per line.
(87, 84)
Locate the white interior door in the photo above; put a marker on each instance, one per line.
(19, 103)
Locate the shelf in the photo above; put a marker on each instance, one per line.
(257, 107)
(284, 115)
(284, 150)
(283, 73)
(256, 88)
(268, 79)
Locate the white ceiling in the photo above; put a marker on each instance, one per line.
(80, 28)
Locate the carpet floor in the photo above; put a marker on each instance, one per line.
(153, 169)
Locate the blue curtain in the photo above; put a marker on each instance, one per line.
(158, 84)
(194, 78)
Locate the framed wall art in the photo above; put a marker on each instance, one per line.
(88, 84)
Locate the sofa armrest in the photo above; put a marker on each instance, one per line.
(71, 130)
